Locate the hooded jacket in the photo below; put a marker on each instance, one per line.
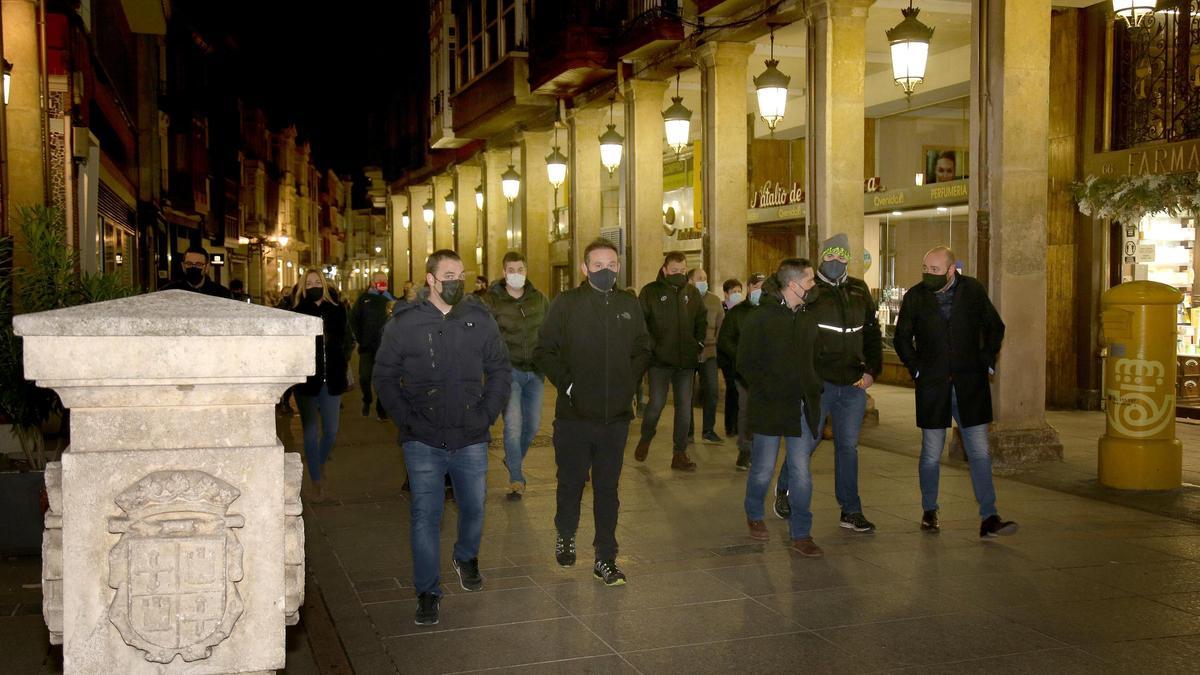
(443, 379)
(677, 322)
(519, 320)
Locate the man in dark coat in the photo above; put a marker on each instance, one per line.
(776, 359)
(948, 335)
(727, 345)
(195, 276)
(443, 375)
(368, 318)
(677, 321)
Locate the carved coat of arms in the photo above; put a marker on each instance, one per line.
(176, 566)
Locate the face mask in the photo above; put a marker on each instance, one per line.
(313, 294)
(811, 295)
(755, 296)
(934, 282)
(833, 270)
(603, 279)
(734, 298)
(515, 280)
(452, 292)
(381, 287)
(677, 280)
(194, 275)
(702, 286)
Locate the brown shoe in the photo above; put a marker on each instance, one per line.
(758, 530)
(682, 462)
(807, 548)
(642, 449)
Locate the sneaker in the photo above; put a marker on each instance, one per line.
(807, 548)
(606, 571)
(856, 522)
(743, 461)
(994, 527)
(758, 530)
(681, 462)
(427, 609)
(366, 410)
(929, 521)
(712, 437)
(783, 508)
(643, 448)
(564, 550)
(514, 491)
(468, 574)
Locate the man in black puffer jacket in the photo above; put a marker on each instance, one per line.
(677, 322)
(442, 372)
(368, 318)
(594, 348)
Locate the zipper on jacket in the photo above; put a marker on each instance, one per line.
(607, 321)
(432, 355)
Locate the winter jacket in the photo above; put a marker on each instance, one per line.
(335, 346)
(443, 379)
(368, 318)
(714, 315)
(519, 320)
(776, 359)
(730, 334)
(677, 323)
(957, 353)
(596, 345)
(209, 287)
(849, 340)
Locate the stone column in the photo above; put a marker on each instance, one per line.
(536, 193)
(174, 527)
(421, 234)
(497, 209)
(466, 178)
(643, 167)
(836, 133)
(723, 68)
(401, 260)
(1013, 176)
(443, 230)
(584, 179)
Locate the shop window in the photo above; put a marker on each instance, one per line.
(1156, 78)
(490, 29)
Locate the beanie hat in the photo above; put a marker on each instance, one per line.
(838, 244)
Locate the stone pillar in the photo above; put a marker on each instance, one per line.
(401, 260)
(443, 230)
(643, 167)
(466, 178)
(420, 233)
(723, 67)
(174, 527)
(536, 193)
(1013, 176)
(836, 133)
(498, 211)
(584, 180)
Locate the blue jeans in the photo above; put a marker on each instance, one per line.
(799, 487)
(324, 410)
(521, 419)
(846, 404)
(979, 461)
(427, 467)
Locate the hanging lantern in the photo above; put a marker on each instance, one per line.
(510, 183)
(427, 211)
(479, 196)
(612, 144)
(405, 220)
(771, 87)
(910, 50)
(1133, 11)
(450, 205)
(8, 68)
(678, 120)
(556, 165)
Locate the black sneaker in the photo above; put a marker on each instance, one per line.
(857, 522)
(712, 437)
(782, 508)
(564, 550)
(743, 461)
(929, 521)
(468, 574)
(427, 609)
(994, 527)
(606, 571)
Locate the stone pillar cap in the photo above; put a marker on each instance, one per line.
(167, 314)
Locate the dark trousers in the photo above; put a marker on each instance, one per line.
(731, 403)
(366, 364)
(710, 386)
(580, 445)
(662, 379)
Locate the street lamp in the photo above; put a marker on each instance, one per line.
(450, 205)
(427, 211)
(479, 196)
(556, 164)
(612, 144)
(1132, 11)
(910, 49)
(771, 87)
(678, 120)
(283, 240)
(510, 183)
(379, 249)
(405, 220)
(7, 79)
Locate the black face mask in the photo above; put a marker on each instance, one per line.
(833, 270)
(603, 279)
(677, 280)
(194, 275)
(811, 295)
(313, 294)
(934, 282)
(452, 292)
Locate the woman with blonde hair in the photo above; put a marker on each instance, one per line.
(320, 397)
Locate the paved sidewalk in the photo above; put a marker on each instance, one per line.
(1086, 587)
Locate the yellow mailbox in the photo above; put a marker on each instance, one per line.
(1139, 450)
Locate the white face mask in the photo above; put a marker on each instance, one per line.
(734, 298)
(702, 286)
(515, 280)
